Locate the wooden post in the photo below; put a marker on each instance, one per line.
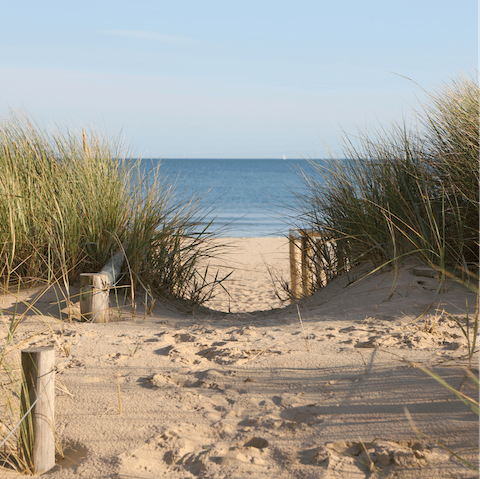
(303, 240)
(95, 290)
(307, 272)
(94, 297)
(37, 431)
(294, 283)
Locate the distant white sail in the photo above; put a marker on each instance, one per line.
(284, 157)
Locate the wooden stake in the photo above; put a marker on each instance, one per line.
(95, 289)
(294, 285)
(307, 251)
(37, 431)
(302, 240)
(94, 297)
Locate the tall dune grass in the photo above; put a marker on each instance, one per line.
(403, 191)
(68, 202)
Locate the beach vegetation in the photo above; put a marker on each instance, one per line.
(69, 201)
(401, 192)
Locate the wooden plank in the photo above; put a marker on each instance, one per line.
(113, 267)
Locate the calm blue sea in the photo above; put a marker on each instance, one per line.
(250, 192)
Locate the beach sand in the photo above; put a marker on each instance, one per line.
(259, 393)
(256, 267)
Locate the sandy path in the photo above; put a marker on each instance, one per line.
(241, 395)
(251, 286)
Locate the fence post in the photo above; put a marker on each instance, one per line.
(303, 241)
(95, 289)
(294, 283)
(95, 297)
(37, 431)
(306, 255)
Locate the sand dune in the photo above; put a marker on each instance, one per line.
(259, 394)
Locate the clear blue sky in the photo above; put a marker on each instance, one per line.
(230, 79)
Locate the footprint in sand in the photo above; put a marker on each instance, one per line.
(165, 453)
(253, 452)
(286, 400)
(413, 339)
(209, 379)
(194, 454)
(219, 352)
(303, 414)
(184, 338)
(243, 334)
(358, 460)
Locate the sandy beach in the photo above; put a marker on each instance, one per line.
(258, 393)
(255, 266)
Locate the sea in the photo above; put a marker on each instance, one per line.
(241, 197)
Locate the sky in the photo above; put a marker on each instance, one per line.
(231, 78)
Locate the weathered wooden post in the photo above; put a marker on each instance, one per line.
(294, 283)
(95, 290)
(303, 241)
(37, 431)
(306, 255)
(95, 297)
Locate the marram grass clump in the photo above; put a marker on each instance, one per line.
(403, 192)
(69, 201)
